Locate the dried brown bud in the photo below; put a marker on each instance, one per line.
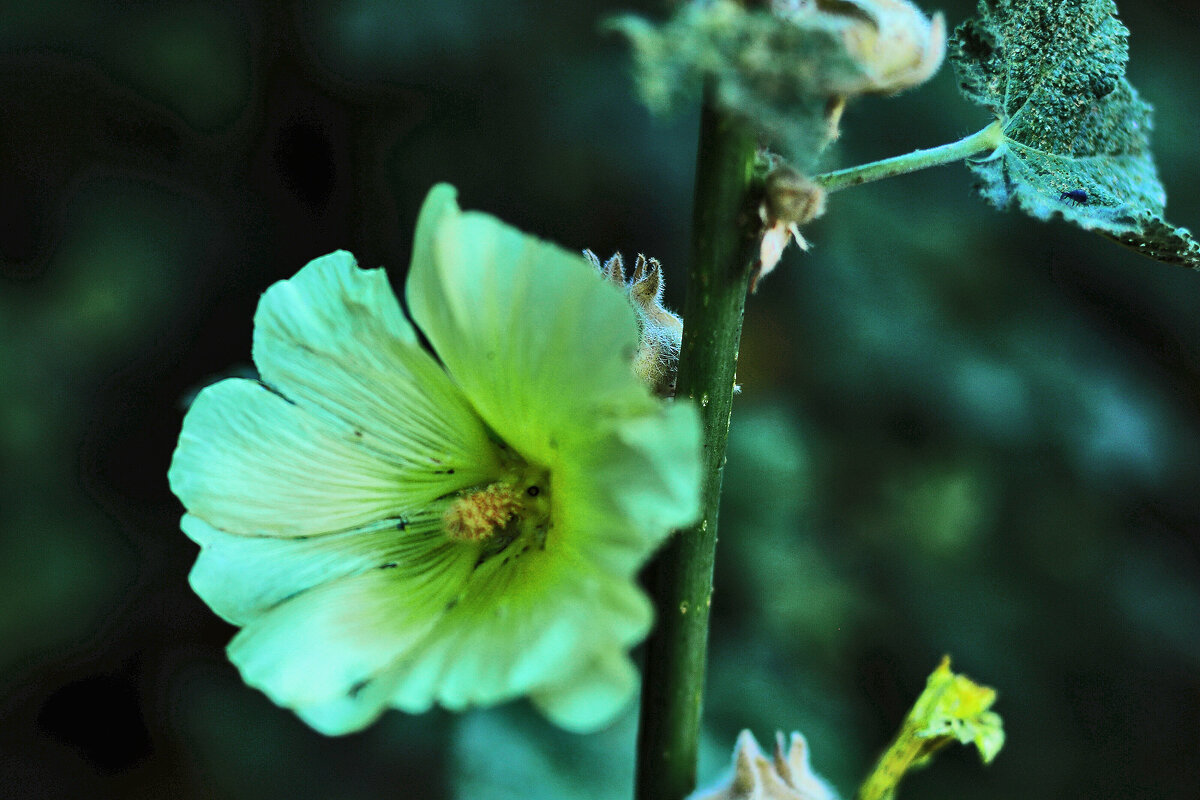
(791, 197)
(789, 201)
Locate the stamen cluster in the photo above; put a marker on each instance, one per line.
(476, 516)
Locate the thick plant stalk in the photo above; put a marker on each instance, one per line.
(681, 576)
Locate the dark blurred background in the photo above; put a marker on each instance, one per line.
(960, 431)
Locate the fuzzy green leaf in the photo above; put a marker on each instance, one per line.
(1054, 75)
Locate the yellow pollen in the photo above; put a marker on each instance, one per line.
(477, 516)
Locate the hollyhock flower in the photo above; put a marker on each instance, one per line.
(393, 530)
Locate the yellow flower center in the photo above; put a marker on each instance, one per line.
(500, 512)
(477, 516)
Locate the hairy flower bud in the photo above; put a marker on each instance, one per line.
(787, 776)
(660, 332)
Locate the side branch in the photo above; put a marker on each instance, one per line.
(984, 141)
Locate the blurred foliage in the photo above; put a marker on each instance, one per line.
(776, 74)
(959, 431)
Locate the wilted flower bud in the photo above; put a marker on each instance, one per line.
(894, 43)
(787, 68)
(660, 332)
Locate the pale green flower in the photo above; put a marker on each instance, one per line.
(389, 531)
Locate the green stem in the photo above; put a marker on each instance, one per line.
(891, 767)
(681, 576)
(985, 140)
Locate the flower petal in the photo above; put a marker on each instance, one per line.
(537, 340)
(251, 462)
(352, 711)
(520, 626)
(619, 498)
(591, 697)
(330, 643)
(339, 627)
(243, 577)
(332, 339)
